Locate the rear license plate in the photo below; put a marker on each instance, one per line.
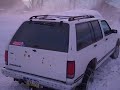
(31, 82)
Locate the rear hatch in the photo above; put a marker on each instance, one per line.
(40, 48)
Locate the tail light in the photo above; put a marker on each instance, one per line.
(70, 69)
(6, 57)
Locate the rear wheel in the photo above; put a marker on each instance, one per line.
(87, 79)
(115, 53)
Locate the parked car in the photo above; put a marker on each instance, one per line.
(60, 51)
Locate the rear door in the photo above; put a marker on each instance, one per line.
(84, 46)
(40, 48)
(99, 42)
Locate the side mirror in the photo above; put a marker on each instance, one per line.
(114, 31)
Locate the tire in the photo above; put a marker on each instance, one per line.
(40, 88)
(32, 88)
(88, 76)
(115, 53)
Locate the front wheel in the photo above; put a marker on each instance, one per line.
(115, 53)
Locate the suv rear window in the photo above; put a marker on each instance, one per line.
(43, 35)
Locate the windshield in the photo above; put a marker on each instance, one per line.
(43, 35)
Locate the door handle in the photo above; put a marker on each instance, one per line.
(11, 53)
(95, 45)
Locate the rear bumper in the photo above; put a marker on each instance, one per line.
(42, 81)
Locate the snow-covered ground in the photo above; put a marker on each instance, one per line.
(107, 77)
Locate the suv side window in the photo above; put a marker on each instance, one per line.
(83, 35)
(106, 27)
(97, 30)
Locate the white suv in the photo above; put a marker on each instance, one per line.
(60, 51)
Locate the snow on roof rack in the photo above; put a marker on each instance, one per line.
(80, 17)
(49, 17)
(54, 17)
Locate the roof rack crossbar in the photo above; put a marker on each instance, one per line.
(54, 17)
(80, 17)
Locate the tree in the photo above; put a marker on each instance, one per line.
(35, 3)
(74, 3)
(9, 3)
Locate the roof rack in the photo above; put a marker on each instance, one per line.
(54, 17)
(49, 17)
